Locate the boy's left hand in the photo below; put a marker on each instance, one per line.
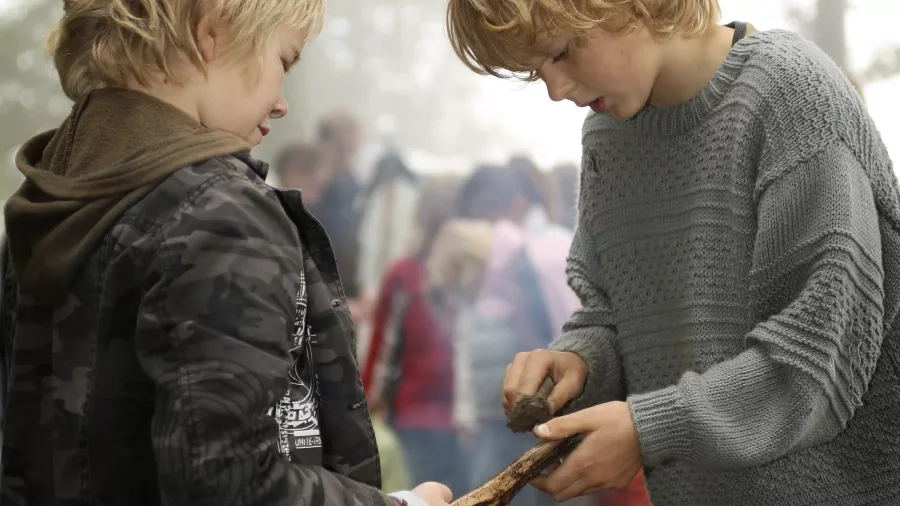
(608, 457)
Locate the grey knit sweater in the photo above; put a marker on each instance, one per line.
(738, 258)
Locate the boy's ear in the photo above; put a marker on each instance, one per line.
(207, 39)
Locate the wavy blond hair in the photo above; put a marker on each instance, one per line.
(494, 37)
(101, 43)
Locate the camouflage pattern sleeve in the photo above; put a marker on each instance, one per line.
(212, 333)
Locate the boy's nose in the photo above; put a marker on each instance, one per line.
(558, 86)
(280, 110)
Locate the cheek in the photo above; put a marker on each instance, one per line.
(217, 99)
(599, 70)
(272, 85)
(624, 65)
(268, 88)
(274, 70)
(644, 62)
(629, 71)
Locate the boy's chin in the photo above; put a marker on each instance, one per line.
(619, 112)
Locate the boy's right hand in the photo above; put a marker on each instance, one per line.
(435, 494)
(528, 370)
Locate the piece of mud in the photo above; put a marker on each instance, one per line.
(531, 410)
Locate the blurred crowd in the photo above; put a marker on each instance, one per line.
(448, 278)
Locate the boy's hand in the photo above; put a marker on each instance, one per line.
(528, 370)
(608, 457)
(435, 494)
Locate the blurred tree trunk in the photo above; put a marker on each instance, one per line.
(826, 27)
(829, 30)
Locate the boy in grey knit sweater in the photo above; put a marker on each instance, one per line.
(737, 255)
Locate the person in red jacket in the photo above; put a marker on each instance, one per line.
(408, 371)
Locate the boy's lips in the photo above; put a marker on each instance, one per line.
(264, 130)
(599, 105)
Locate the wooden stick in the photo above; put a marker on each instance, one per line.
(500, 490)
(529, 411)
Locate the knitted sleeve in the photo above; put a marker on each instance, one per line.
(817, 282)
(590, 332)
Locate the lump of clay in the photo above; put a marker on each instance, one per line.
(531, 410)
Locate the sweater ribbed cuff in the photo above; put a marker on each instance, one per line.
(604, 380)
(661, 425)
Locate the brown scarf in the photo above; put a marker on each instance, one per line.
(112, 150)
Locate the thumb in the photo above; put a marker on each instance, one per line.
(446, 493)
(431, 491)
(563, 427)
(566, 389)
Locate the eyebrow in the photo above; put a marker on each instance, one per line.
(536, 60)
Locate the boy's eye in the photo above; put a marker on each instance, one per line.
(287, 64)
(562, 55)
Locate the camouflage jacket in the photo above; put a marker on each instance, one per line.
(203, 355)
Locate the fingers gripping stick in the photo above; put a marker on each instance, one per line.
(529, 411)
(500, 490)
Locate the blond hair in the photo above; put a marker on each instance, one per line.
(434, 206)
(101, 43)
(494, 37)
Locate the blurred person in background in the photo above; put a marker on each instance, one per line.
(339, 135)
(546, 206)
(408, 371)
(303, 166)
(388, 214)
(566, 177)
